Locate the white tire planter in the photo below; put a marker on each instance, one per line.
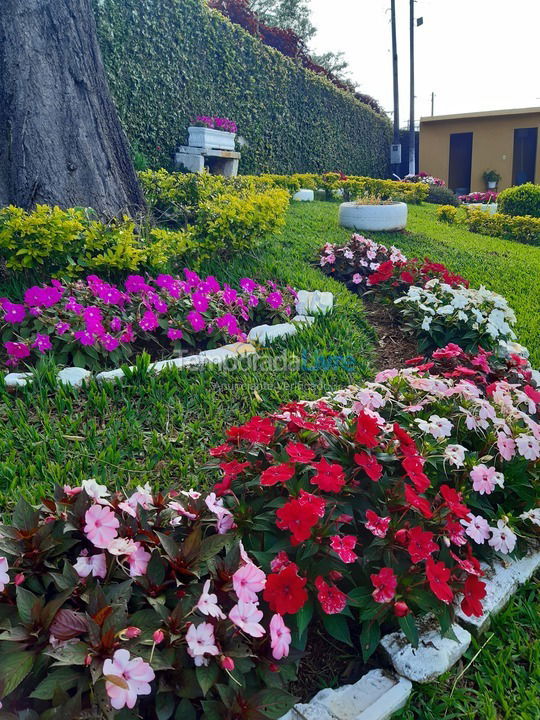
(384, 218)
(490, 208)
(304, 195)
(202, 137)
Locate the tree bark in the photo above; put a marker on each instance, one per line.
(61, 142)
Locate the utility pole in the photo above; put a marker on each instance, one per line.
(396, 147)
(432, 104)
(412, 134)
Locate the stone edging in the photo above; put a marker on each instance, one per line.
(380, 693)
(308, 304)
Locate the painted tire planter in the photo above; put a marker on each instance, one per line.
(203, 137)
(373, 217)
(304, 195)
(490, 208)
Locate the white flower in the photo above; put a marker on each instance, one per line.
(95, 491)
(455, 454)
(502, 538)
(528, 446)
(533, 515)
(437, 426)
(426, 323)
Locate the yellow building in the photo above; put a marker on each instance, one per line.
(460, 148)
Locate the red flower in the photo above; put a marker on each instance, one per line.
(407, 277)
(344, 547)
(447, 353)
(298, 452)
(406, 443)
(421, 544)
(401, 609)
(298, 518)
(531, 393)
(329, 477)
(280, 562)
(455, 531)
(438, 575)
(223, 487)
(221, 450)
(277, 473)
(256, 430)
(233, 468)
(385, 584)
(474, 591)
(383, 273)
(377, 525)
(470, 564)
(420, 503)
(414, 467)
(415, 360)
(314, 502)
(453, 501)
(332, 600)
(367, 430)
(369, 465)
(285, 591)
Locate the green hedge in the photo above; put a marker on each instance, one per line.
(170, 60)
(521, 229)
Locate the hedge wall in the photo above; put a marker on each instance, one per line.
(170, 60)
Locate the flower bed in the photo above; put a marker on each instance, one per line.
(95, 323)
(490, 196)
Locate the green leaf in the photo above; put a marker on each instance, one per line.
(369, 637)
(24, 516)
(165, 702)
(303, 617)
(27, 605)
(273, 703)
(64, 678)
(14, 667)
(409, 629)
(338, 627)
(207, 676)
(185, 711)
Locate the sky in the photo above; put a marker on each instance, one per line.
(473, 55)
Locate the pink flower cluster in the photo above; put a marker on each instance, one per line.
(490, 196)
(97, 318)
(217, 123)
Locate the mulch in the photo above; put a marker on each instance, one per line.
(394, 345)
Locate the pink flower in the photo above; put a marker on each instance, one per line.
(506, 445)
(377, 525)
(133, 677)
(280, 637)
(4, 577)
(131, 632)
(476, 528)
(158, 636)
(344, 547)
(485, 478)
(502, 538)
(95, 565)
(138, 560)
(246, 616)
(101, 525)
(207, 603)
(201, 641)
(357, 278)
(248, 581)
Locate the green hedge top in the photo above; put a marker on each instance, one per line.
(171, 60)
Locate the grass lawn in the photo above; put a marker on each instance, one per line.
(509, 268)
(158, 428)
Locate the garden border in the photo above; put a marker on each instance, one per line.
(308, 304)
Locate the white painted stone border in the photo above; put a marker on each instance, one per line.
(307, 305)
(379, 693)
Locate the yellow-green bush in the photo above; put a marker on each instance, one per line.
(74, 240)
(447, 214)
(524, 229)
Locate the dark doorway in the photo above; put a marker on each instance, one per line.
(460, 162)
(524, 162)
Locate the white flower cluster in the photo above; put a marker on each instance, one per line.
(481, 310)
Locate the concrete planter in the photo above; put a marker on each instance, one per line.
(373, 217)
(202, 137)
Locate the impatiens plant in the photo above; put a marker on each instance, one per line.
(147, 603)
(480, 197)
(216, 123)
(439, 314)
(95, 323)
(365, 265)
(423, 177)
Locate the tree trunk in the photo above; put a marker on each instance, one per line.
(61, 142)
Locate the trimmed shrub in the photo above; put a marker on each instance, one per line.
(520, 201)
(168, 62)
(441, 195)
(521, 229)
(447, 214)
(73, 241)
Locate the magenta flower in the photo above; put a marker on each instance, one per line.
(192, 278)
(109, 342)
(62, 328)
(17, 350)
(101, 525)
(73, 306)
(280, 637)
(13, 313)
(42, 343)
(275, 299)
(229, 295)
(136, 284)
(42, 296)
(149, 321)
(196, 321)
(248, 581)
(200, 302)
(209, 285)
(174, 334)
(229, 323)
(84, 337)
(129, 678)
(248, 285)
(128, 335)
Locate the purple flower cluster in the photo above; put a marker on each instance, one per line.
(217, 123)
(102, 320)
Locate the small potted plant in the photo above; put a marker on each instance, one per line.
(491, 179)
(212, 132)
(371, 212)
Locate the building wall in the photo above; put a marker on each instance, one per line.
(493, 145)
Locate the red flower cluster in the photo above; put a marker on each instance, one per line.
(285, 591)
